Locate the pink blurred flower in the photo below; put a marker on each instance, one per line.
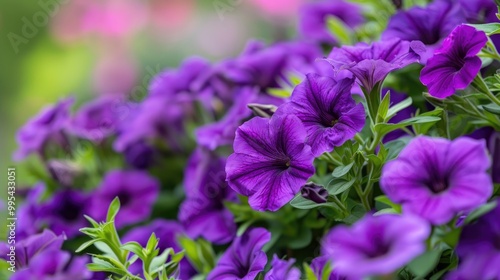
(285, 8)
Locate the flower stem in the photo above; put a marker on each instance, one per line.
(363, 197)
(481, 86)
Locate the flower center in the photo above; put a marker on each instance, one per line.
(69, 211)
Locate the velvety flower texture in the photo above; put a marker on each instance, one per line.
(63, 212)
(437, 178)
(479, 249)
(271, 161)
(430, 24)
(244, 259)
(27, 248)
(282, 269)
(48, 124)
(313, 17)
(187, 82)
(157, 117)
(203, 213)
(455, 64)
(55, 265)
(136, 190)
(375, 245)
(370, 64)
(99, 118)
(167, 232)
(327, 110)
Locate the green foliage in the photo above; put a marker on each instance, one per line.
(115, 258)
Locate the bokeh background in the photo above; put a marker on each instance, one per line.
(50, 49)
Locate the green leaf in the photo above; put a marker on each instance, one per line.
(398, 107)
(302, 239)
(158, 262)
(482, 210)
(135, 248)
(492, 108)
(384, 128)
(300, 202)
(87, 244)
(425, 263)
(488, 28)
(309, 273)
(152, 243)
(342, 170)
(385, 200)
(384, 107)
(279, 92)
(339, 185)
(340, 30)
(114, 207)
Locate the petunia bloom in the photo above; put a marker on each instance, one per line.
(437, 179)
(282, 269)
(136, 190)
(63, 212)
(167, 232)
(478, 248)
(32, 245)
(99, 118)
(455, 64)
(429, 24)
(313, 17)
(370, 64)
(45, 126)
(55, 264)
(327, 110)
(203, 213)
(244, 259)
(375, 245)
(271, 161)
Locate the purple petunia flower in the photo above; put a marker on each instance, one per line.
(455, 64)
(99, 118)
(63, 212)
(29, 220)
(244, 259)
(478, 248)
(47, 125)
(430, 24)
(55, 265)
(27, 248)
(222, 132)
(186, 82)
(271, 161)
(313, 17)
(140, 155)
(137, 192)
(376, 245)
(203, 212)
(370, 64)
(157, 117)
(437, 179)
(327, 110)
(167, 232)
(282, 269)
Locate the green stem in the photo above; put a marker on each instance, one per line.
(376, 141)
(363, 197)
(339, 203)
(481, 86)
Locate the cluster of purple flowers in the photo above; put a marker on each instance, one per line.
(250, 157)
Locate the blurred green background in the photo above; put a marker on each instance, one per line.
(50, 49)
